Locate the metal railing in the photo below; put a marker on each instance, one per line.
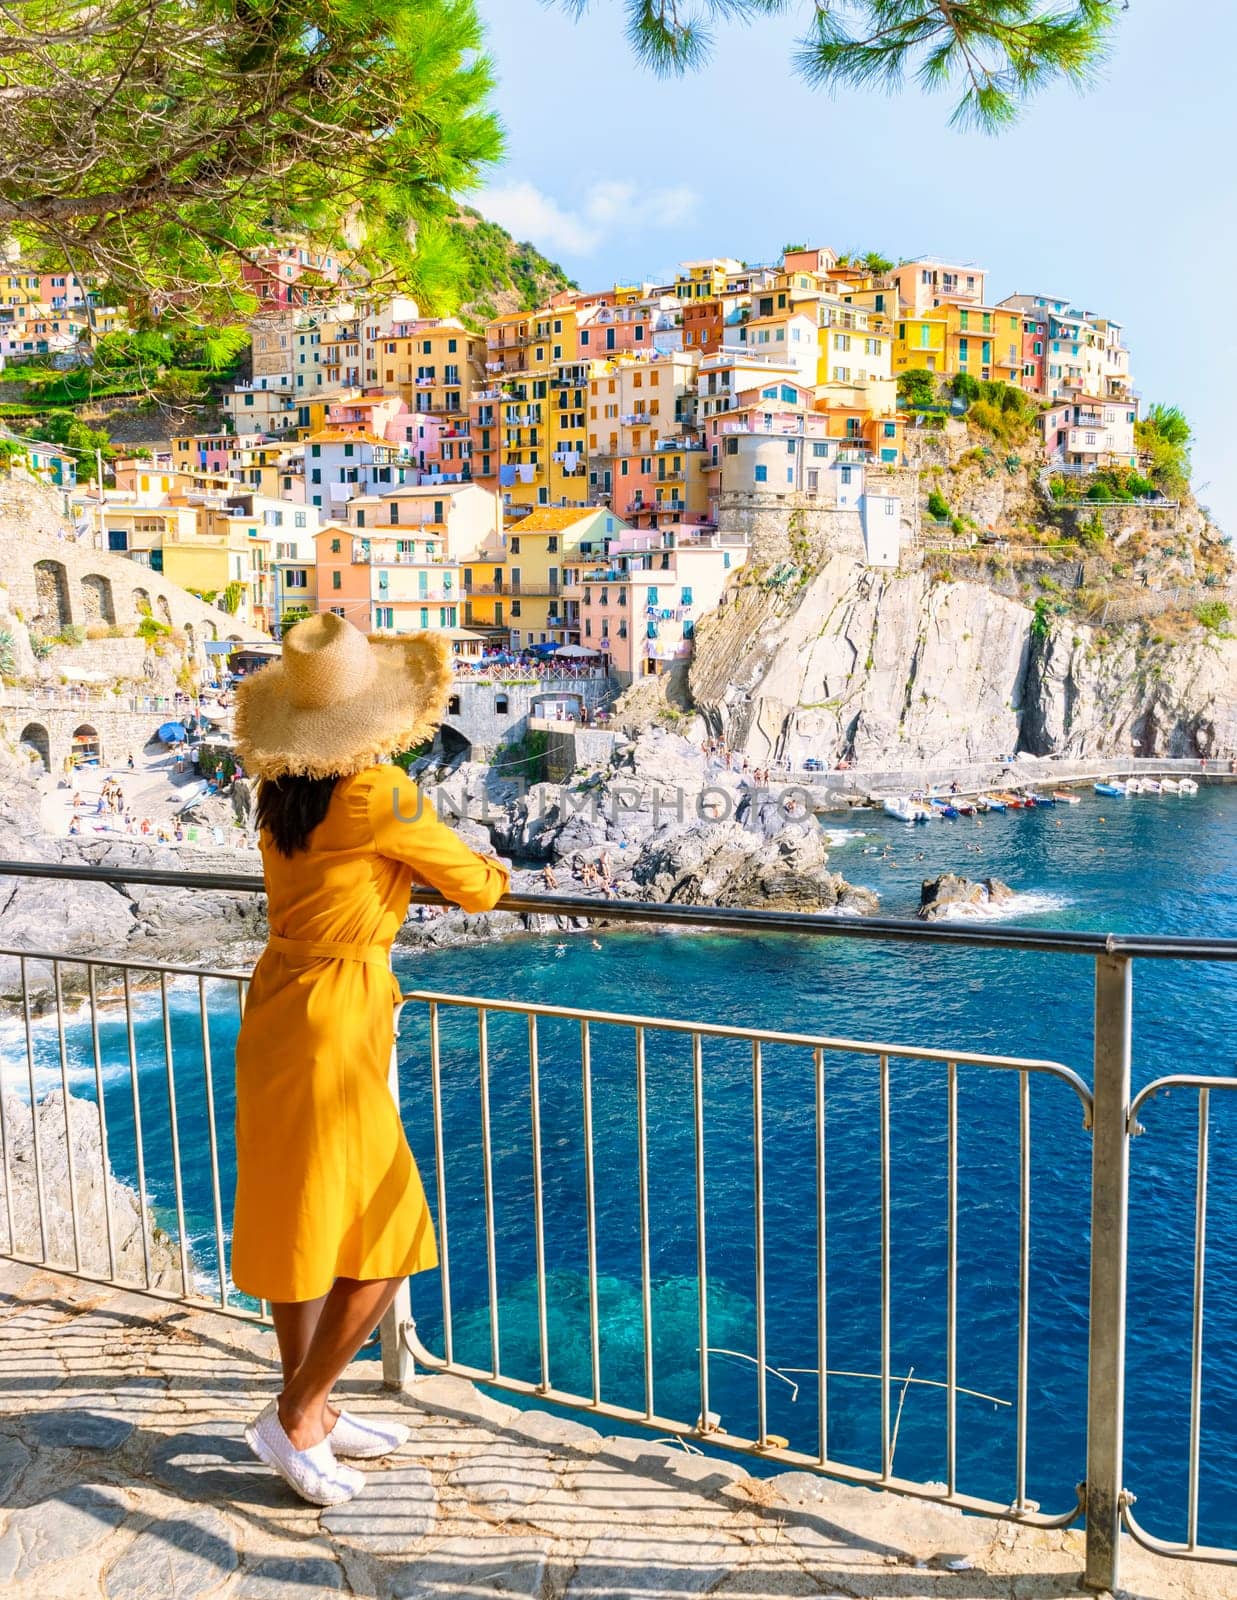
(180, 1051)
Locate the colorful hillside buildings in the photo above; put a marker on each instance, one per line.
(588, 471)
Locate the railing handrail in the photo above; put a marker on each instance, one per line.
(726, 919)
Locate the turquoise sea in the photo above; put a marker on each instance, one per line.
(1149, 864)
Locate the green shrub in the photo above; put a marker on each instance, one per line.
(8, 653)
(938, 506)
(150, 628)
(1040, 626)
(965, 387)
(1091, 532)
(72, 634)
(917, 387)
(1213, 614)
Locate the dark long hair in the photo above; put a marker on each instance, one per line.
(289, 809)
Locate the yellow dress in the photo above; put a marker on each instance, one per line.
(326, 1184)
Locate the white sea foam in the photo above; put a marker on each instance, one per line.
(1031, 903)
(79, 1047)
(843, 835)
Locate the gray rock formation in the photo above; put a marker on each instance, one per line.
(894, 669)
(728, 864)
(94, 1187)
(953, 896)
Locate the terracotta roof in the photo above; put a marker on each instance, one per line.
(550, 519)
(345, 436)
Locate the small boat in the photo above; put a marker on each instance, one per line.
(1064, 798)
(993, 802)
(1170, 786)
(1134, 786)
(1188, 786)
(1013, 801)
(1109, 788)
(967, 808)
(944, 808)
(1034, 799)
(1151, 786)
(905, 810)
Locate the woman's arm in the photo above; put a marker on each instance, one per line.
(406, 829)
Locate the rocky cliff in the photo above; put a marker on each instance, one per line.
(894, 668)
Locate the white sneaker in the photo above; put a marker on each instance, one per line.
(364, 1438)
(314, 1473)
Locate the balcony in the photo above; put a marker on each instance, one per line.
(64, 1269)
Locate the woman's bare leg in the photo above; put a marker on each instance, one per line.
(295, 1321)
(350, 1313)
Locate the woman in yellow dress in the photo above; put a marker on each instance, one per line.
(330, 1213)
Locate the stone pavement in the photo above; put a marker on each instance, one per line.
(123, 1475)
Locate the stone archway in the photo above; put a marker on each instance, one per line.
(51, 585)
(85, 745)
(191, 641)
(141, 602)
(213, 631)
(165, 610)
(97, 604)
(35, 739)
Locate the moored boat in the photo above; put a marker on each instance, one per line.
(905, 810)
(1134, 786)
(1109, 788)
(994, 802)
(946, 808)
(1151, 786)
(1035, 799)
(1170, 786)
(1064, 798)
(1188, 786)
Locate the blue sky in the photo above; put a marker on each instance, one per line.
(1121, 199)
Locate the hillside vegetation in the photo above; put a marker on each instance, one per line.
(504, 274)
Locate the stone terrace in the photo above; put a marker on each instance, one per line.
(123, 1474)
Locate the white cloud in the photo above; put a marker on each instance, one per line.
(526, 212)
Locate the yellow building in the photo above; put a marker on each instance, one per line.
(856, 358)
(541, 608)
(921, 340)
(434, 366)
(703, 280)
(984, 342)
(485, 587)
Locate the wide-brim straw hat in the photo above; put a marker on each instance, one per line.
(337, 700)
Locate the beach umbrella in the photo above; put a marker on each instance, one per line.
(172, 732)
(576, 651)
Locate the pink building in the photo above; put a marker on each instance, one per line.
(640, 606)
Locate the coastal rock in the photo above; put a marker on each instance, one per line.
(94, 1188)
(894, 669)
(950, 896)
(727, 864)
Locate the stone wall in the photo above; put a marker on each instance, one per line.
(488, 714)
(790, 527)
(49, 730)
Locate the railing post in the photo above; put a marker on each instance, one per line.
(398, 1368)
(1110, 1136)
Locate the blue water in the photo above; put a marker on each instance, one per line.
(1137, 864)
